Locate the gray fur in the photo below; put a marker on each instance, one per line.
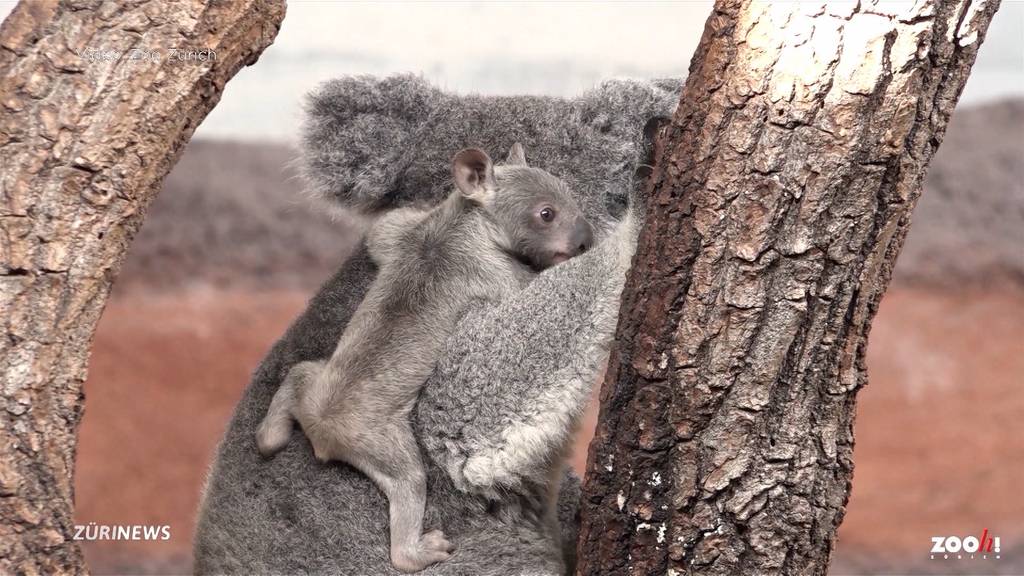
(374, 144)
(494, 417)
(479, 245)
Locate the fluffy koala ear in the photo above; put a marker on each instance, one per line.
(358, 135)
(516, 156)
(474, 174)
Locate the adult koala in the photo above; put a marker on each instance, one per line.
(495, 418)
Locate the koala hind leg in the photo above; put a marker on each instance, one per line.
(391, 458)
(276, 428)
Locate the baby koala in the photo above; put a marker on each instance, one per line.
(492, 235)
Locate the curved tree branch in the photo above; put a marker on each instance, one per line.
(97, 101)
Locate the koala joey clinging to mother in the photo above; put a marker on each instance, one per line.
(498, 229)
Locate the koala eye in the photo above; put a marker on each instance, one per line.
(547, 214)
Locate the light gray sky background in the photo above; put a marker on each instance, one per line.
(556, 48)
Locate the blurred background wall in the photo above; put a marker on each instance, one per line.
(230, 252)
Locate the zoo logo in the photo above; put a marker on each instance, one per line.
(945, 546)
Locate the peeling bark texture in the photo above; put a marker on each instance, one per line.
(90, 123)
(781, 198)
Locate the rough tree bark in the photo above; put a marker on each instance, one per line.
(95, 108)
(781, 199)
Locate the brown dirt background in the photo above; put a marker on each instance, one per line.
(228, 257)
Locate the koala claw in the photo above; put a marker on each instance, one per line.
(436, 540)
(433, 547)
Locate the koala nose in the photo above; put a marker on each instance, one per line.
(582, 237)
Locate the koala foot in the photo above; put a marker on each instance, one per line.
(272, 436)
(433, 547)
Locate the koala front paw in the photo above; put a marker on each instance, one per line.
(435, 540)
(432, 548)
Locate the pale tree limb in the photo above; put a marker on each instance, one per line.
(95, 108)
(781, 199)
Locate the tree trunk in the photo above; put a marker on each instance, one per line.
(96, 108)
(781, 198)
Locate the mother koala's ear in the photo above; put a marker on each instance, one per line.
(357, 135)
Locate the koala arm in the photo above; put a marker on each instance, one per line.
(383, 238)
(505, 398)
